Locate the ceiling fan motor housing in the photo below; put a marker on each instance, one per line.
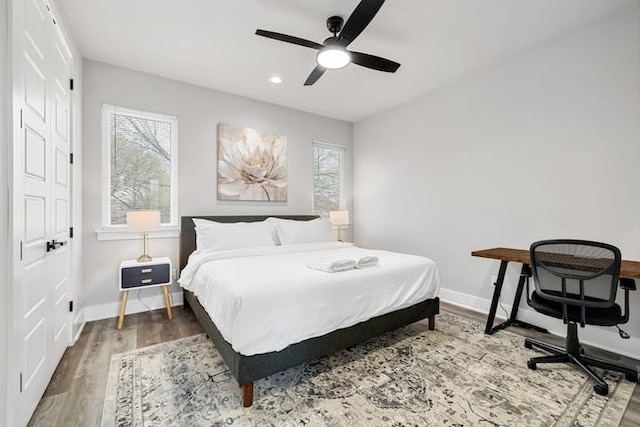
(334, 24)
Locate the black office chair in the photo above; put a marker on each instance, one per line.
(576, 281)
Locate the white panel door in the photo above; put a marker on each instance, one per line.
(60, 67)
(40, 203)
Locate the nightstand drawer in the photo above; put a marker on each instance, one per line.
(133, 277)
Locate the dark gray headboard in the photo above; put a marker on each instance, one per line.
(188, 229)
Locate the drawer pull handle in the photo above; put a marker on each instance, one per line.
(146, 281)
(146, 270)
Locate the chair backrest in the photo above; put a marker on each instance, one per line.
(576, 272)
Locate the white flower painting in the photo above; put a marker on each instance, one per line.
(252, 164)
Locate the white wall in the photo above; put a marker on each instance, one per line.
(544, 145)
(199, 110)
(4, 210)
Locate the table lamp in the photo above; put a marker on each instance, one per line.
(142, 222)
(339, 219)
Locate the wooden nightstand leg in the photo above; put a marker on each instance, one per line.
(167, 301)
(123, 307)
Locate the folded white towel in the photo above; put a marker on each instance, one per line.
(367, 261)
(331, 264)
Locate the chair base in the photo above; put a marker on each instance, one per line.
(574, 354)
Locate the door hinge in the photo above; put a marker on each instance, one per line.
(20, 250)
(71, 232)
(20, 382)
(21, 118)
(71, 306)
(70, 84)
(71, 158)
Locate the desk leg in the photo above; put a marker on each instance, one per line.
(512, 320)
(167, 301)
(496, 298)
(123, 307)
(519, 289)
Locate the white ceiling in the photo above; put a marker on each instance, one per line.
(211, 43)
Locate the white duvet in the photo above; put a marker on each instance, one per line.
(265, 299)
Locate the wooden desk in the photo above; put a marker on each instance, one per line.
(628, 269)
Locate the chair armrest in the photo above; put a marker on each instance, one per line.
(627, 284)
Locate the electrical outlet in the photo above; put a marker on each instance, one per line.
(174, 274)
(494, 279)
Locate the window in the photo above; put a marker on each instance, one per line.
(139, 164)
(328, 178)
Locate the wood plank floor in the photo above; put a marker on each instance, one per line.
(76, 392)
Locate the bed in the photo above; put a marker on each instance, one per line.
(251, 364)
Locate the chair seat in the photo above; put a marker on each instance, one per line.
(608, 316)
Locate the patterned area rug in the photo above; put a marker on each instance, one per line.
(453, 376)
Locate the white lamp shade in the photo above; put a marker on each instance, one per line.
(141, 221)
(339, 217)
(333, 57)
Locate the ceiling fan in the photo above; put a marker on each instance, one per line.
(332, 53)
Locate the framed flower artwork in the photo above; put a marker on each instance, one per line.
(252, 164)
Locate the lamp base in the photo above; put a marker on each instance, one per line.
(144, 258)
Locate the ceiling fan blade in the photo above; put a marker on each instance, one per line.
(359, 19)
(288, 39)
(315, 75)
(374, 62)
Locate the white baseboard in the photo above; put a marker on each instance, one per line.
(605, 338)
(470, 302)
(78, 326)
(135, 304)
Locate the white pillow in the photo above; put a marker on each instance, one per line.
(218, 236)
(291, 232)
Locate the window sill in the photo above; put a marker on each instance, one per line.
(122, 234)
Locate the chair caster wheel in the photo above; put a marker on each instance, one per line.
(601, 390)
(527, 344)
(632, 377)
(531, 365)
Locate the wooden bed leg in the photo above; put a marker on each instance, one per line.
(432, 322)
(247, 395)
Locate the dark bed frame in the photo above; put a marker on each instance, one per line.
(247, 369)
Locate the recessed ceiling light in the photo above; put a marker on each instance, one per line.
(276, 80)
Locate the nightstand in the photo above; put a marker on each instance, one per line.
(147, 274)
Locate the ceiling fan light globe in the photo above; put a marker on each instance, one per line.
(333, 57)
